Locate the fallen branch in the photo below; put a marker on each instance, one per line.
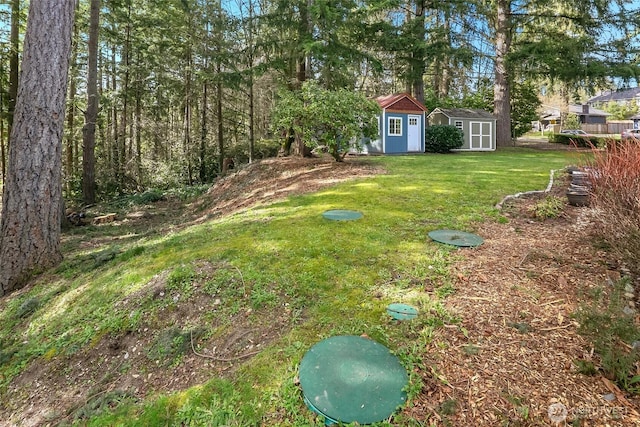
(475, 298)
(552, 302)
(555, 328)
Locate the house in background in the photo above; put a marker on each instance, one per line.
(401, 125)
(478, 126)
(587, 115)
(621, 96)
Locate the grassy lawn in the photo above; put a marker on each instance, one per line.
(327, 278)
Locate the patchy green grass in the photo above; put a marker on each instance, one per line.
(337, 276)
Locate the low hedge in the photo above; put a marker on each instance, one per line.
(577, 140)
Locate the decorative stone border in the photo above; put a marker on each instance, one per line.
(527, 193)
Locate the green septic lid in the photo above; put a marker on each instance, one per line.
(352, 379)
(342, 215)
(456, 238)
(401, 311)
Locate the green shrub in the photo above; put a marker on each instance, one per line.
(187, 192)
(138, 199)
(149, 196)
(443, 138)
(549, 207)
(577, 140)
(266, 148)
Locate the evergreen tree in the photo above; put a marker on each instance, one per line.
(32, 197)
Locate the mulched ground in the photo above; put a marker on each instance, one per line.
(511, 359)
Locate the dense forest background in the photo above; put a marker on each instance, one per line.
(182, 85)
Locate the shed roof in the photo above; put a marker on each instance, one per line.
(465, 113)
(400, 102)
(617, 95)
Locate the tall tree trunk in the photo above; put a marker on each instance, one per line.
(220, 123)
(91, 115)
(446, 65)
(252, 120)
(564, 105)
(115, 147)
(159, 152)
(305, 29)
(501, 88)
(122, 133)
(250, 42)
(203, 132)
(408, 80)
(3, 154)
(419, 52)
(138, 121)
(186, 141)
(14, 42)
(32, 199)
(69, 145)
(187, 118)
(70, 151)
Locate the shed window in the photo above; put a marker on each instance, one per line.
(413, 121)
(459, 124)
(395, 126)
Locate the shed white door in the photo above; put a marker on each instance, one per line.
(480, 135)
(413, 133)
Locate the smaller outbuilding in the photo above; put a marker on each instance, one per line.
(401, 125)
(478, 126)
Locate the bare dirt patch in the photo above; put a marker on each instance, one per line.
(275, 179)
(182, 341)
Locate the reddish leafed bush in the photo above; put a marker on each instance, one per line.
(615, 178)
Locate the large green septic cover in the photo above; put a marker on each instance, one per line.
(349, 379)
(456, 238)
(342, 215)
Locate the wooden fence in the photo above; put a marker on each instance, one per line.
(609, 128)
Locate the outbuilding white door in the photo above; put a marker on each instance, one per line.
(480, 135)
(414, 135)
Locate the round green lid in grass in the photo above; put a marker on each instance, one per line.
(401, 311)
(456, 238)
(349, 379)
(342, 215)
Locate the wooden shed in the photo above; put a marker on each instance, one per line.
(401, 125)
(478, 126)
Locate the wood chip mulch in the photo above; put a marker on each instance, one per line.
(510, 360)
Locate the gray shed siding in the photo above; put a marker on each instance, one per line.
(479, 130)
